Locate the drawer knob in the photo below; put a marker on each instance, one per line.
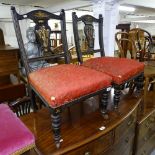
(87, 153)
(127, 139)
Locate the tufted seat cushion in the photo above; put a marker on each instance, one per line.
(15, 137)
(120, 69)
(61, 84)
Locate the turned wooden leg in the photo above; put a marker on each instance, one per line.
(117, 94)
(139, 84)
(56, 124)
(104, 102)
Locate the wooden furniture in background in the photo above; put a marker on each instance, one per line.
(123, 27)
(56, 38)
(144, 44)
(2, 42)
(9, 61)
(149, 74)
(125, 45)
(145, 130)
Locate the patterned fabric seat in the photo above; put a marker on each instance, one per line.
(120, 69)
(15, 137)
(51, 82)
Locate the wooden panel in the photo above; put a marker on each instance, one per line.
(147, 148)
(125, 145)
(12, 92)
(96, 147)
(145, 130)
(8, 62)
(128, 122)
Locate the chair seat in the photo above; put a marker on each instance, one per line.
(61, 84)
(15, 138)
(120, 69)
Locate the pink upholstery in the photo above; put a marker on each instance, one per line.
(14, 136)
(64, 83)
(120, 69)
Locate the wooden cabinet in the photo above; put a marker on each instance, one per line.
(95, 147)
(8, 61)
(82, 132)
(145, 141)
(124, 136)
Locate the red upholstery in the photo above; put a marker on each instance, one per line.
(64, 83)
(120, 69)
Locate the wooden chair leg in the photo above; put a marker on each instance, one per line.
(117, 94)
(139, 84)
(56, 124)
(104, 102)
(33, 100)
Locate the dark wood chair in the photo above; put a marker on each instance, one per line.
(122, 70)
(62, 85)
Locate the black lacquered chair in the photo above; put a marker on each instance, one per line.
(58, 86)
(122, 70)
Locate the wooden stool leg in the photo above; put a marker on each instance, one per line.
(104, 102)
(56, 124)
(117, 94)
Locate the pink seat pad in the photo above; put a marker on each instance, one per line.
(61, 84)
(14, 135)
(120, 69)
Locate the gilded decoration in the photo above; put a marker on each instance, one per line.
(89, 32)
(41, 14)
(44, 37)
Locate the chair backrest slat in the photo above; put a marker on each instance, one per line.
(42, 32)
(89, 23)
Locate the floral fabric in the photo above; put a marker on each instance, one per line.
(120, 69)
(61, 84)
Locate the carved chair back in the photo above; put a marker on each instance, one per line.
(21, 106)
(125, 45)
(144, 43)
(42, 31)
(90, 24)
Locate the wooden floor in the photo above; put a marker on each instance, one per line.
(81, 124)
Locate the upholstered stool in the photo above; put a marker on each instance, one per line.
(15, 138)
